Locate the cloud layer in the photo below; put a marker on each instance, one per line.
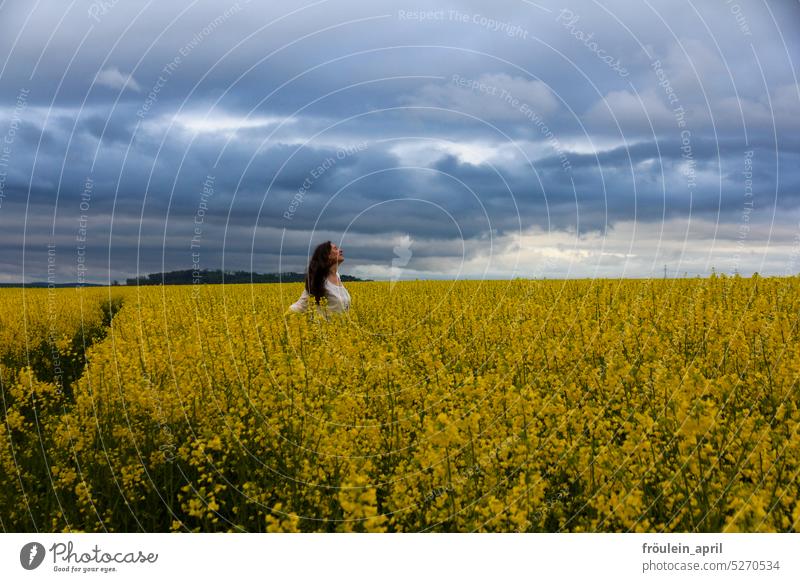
(512, 139)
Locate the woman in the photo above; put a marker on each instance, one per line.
(322, 280)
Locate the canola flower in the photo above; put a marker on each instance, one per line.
(490, 406)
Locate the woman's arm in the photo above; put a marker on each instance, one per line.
(301, 304)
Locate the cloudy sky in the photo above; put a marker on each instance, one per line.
(445, 139)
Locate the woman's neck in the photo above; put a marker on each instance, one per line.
(334, 271)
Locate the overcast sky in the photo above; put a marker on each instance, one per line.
(458, 139)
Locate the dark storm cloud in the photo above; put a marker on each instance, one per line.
(365, 122)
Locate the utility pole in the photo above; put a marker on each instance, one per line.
(665, 270)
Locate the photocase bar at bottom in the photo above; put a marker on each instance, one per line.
(418, 556)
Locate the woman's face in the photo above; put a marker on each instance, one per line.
(337, 255)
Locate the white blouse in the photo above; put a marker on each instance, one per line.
(338, 298)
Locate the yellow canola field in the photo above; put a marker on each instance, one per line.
(490, 406)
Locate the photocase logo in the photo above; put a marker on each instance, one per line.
(402, 252)
(31, 555)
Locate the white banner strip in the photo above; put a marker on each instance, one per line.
(353, 557)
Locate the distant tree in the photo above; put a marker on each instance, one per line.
(189, 277)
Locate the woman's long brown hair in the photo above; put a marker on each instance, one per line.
(319, 267)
